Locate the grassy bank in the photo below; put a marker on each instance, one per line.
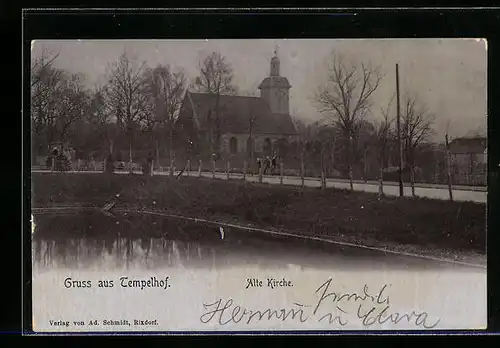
(458, 226)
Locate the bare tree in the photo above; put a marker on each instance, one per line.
(216, 78)
(448, 160)
(44, 93)
(346, 98)
(416, 128)
(42, 65)
(58, 100)
(93, 131)
(166, 88)
(125, 96)
(100, 116)
(73, 102)
(382, 137)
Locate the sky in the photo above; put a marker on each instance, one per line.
(447, 75)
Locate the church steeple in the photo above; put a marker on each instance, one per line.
(274, 89)
(275, 63)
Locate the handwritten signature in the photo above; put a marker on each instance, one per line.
(373, 307)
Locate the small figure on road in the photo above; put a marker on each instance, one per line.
(267, 164)
(273, 164)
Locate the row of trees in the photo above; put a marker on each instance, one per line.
(136, 105)
(351, 121)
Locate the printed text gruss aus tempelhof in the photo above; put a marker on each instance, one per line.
(123, 282)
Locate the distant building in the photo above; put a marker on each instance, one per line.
(465, 150)
(469, 160)
(262, 122)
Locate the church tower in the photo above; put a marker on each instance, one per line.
(274, 89)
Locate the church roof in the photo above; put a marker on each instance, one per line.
(236, 113)
(468, 145)
(275, 81)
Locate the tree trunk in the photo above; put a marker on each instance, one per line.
(436, 171)
(281, 173)
(472, 174)
(252, 155)
(130, 155)
(365, 165)
(252, 146)
(448, 168)
(322, 167)
(381, 179)
(332, 159)
(217, 124)
(170, 151)
(351, 185)
(157, 154)
(412, 179)
(349, 160)
(302, 165)
(261, 168)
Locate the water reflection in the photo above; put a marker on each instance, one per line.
(123, 241)
(119, 253)
(145, 241)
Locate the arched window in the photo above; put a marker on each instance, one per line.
(233, 145)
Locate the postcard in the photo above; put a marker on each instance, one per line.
(258, 185)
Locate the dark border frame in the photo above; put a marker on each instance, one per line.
(349, 23)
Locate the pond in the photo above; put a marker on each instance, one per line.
(123, 240)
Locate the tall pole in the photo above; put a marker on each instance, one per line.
(398, 124)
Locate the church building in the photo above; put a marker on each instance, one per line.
(262, 122)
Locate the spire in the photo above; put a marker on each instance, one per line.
(275, 63)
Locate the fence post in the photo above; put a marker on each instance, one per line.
(199, 168)
(448, 167)
(323, 179)
(213, 169)
(152, 169)
(188, 167)
(302, 172)
(244, 170)
(260, 173)
(228, 168)
(281, 173)
(381, 180)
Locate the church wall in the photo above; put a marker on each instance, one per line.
(259, 140)
(241, 138)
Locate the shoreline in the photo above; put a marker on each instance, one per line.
(468, 259)
(404, 223)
